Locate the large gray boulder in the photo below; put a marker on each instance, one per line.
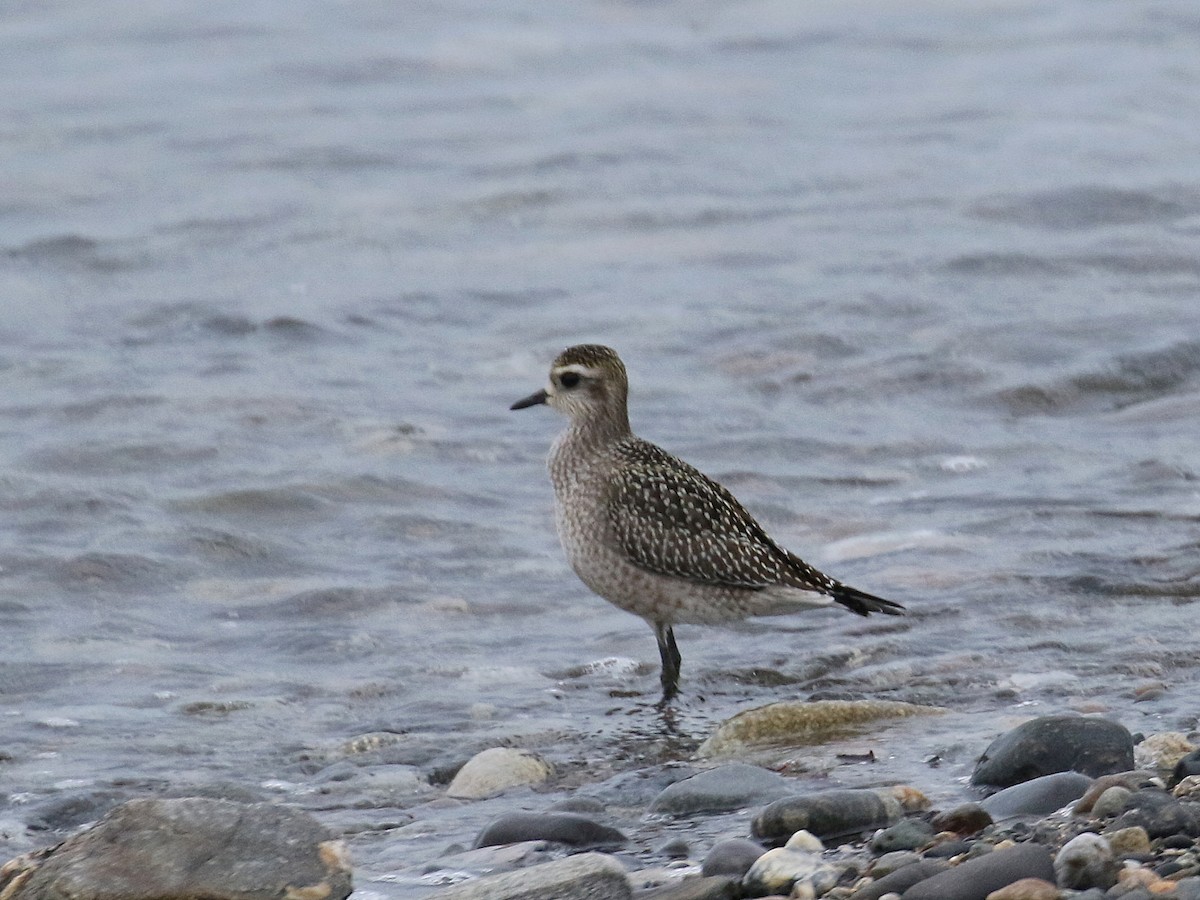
(189, 847)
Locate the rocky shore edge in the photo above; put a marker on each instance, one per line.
(1079, 808)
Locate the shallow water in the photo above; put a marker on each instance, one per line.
(919, 285)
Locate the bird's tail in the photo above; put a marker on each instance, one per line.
(863, 603)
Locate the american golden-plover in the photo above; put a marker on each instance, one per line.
(655, 536)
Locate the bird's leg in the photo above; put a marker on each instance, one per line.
(669, 653)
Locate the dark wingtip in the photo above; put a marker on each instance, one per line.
(863, 603)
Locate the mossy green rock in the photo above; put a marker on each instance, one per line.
(799, 723)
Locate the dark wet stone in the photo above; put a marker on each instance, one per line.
(900, 880)
(586, 876)
(1052, 744)
(192, 847)
(561, 828)
(732, 857)
(947, 849)
(976, 878)
(728, 787)
(829, 814)
(1187, 765)
(1086, 861)
(714, 888)
(907, 834)
(585, 805)
(1160, 814)
(1038, 796)
(966, 819)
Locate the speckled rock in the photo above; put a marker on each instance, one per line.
(1086, 861)
(1037, 796)
(496, 770)
(586, 876)
(572, 829)
(1052, 744)
(1187, 788)
(1127, 841)
(727, 787)
(799, 723)
(190, 847)
(828, 814)
(731, 857)
(1162, 751)
(976, 878)
(1027, 889)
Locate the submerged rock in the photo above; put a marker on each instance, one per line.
(495, 770)
(828, 814)
(795, 722)
(189, 847)
(1052, 744)
(567, 828)
(727, 787)
(587, 876)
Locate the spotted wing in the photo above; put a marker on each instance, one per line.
(670, 518)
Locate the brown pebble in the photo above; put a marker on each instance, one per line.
(966, 819)
(1027, 889)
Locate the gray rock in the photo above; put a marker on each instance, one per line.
(1052, 744)
(1160, 814)
(587, 876)
(1038, 796)
(637, 788)
(902, 879)
(731, 857)
(890, 862)
(778, 870)
(728, 787)
(907, 834)
(191, 847)
(976, 878)
(714, 888)
(1086, 861)
(828, 814)
(559, 827)
(1113, 802)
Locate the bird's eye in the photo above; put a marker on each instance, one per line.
(569, 379)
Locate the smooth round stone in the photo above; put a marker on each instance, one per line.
(1037, 797)
(976, 878)
(907, 834)
(1112, 802)
(1052, 744)
(1130, 780)
(731, 857)
(572, 829)
(897, 882)
(496, 770)
(1086, 861)
(805, 840)
(637, 788)
(1189, 764)
(828, 814)
(1128, 841)
(965, 819)
(890, 862)
(724, 788)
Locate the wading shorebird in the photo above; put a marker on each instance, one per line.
(655, 536)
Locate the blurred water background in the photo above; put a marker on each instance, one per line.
(918, 281)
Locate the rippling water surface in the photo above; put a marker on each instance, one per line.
(918, 282)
